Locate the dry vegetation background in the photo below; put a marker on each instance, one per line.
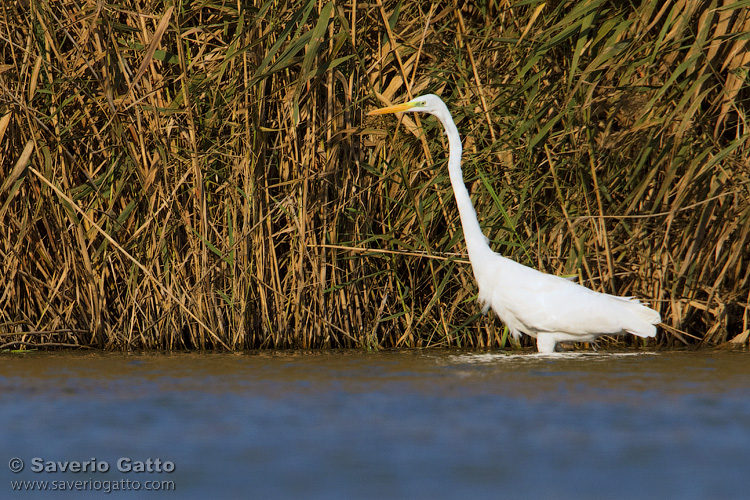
(200, 174)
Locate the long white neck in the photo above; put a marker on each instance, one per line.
(476, 243)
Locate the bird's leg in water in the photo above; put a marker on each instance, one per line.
(546, 343)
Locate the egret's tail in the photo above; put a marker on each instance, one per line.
(641, 318)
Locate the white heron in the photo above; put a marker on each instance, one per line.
(549, 308)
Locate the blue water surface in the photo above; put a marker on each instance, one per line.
(404, 424)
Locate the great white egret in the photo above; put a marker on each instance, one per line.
(549, 308)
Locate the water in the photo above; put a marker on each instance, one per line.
(408, 424)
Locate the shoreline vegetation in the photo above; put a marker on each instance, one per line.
(201, 175)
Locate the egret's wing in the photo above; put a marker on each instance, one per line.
(545, 303)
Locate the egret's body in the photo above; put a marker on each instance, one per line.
(549, 308)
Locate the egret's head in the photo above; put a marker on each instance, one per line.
(428, 103)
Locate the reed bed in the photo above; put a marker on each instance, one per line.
(201, 175)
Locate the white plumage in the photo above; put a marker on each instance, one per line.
(549, 308)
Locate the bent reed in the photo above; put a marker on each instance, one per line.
(201, 175)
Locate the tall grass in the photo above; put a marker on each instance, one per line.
(200, 174)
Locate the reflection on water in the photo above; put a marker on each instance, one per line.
(407, 424)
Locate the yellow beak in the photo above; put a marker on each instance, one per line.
(398, 108)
